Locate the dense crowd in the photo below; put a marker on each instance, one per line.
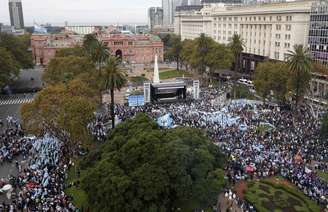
(39, 184)
(260, 140)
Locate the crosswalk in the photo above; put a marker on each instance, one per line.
(16, 100)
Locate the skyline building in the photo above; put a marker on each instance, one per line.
(16, 14)
(155, 17)
(169, 9)
(318, 33)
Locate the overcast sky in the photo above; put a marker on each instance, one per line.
(81, 11)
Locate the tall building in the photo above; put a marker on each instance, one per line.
(155, 17)
(16, 14)
(318, 34)
(269, 30)
(169, 8)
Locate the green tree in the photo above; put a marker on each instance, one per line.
(219, 57)
(174, 51)
(89, 42)
(9, 68)
(60, 67)
(63, 110)
(144, 168)
(114, 79)
(18, 48)
(272, 77)
(237, 47)
(202, 49)
(300, 66)
(186, 53)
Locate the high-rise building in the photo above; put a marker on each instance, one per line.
(16, 14)
(318, 33)
(155, 17)
(169, 7)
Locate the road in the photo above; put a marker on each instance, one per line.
(10, 105)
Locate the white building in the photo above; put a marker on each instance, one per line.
(81, 30)
(268, 30)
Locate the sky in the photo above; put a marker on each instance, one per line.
(81, 11)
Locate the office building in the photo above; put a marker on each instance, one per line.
(155, 17)
(269, 30)
(16, 14)
(318, 34)
(169, 9)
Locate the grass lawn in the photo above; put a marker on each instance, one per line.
(276, 196)
(163, 75)
(323, 175)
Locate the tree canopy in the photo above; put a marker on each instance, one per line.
(64, 110)
(144, 168)
(272, 77)
(9, 68)
(18, 47)
(60, 68)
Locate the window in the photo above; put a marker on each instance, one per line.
(288, 27)
(130, 43)
(278, 18)
(277, 44)
(277, 36)
(287, 36)
(287, 45)
(278, 27)
(276, 55)
(286, 57)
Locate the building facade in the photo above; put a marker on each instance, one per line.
(16, 14)
(138, 49)
(155, 17)
(318, 34)
(268, 30)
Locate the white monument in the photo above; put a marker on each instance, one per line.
(156, 71)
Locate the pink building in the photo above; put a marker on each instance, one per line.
(139, 49)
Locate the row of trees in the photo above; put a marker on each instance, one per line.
(14, 55)
(75, 80)
(203, 53)
(285, 79)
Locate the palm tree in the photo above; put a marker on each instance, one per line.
(88, 42)
(114, 79)
(99, 54)
(237, 47)
(300, 64)
(97, 50)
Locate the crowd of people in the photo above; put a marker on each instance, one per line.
(260, 140)
(41, 167)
